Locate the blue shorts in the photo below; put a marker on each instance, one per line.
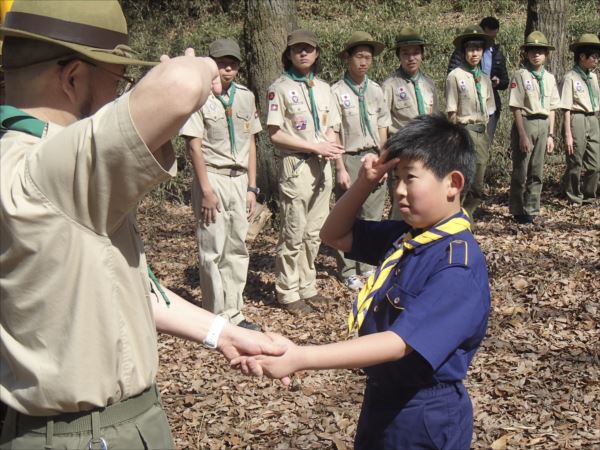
(439, 417)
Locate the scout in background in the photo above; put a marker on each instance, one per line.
(493, 64)
(581, 101)
(533, 100)
(408, 91)
(423, 315)
(470, 102)
(363, 130)
(301, 119)
(220, 140)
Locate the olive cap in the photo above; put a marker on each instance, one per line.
(409, 36)
(472, 33)
(586, 40)
(302, 37)
(95, 29)
(536, 39)
(224, 47)
(362, 38)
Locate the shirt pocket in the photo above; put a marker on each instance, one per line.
(396, 298)
(216, 127)
(243, 123)
(323, 115)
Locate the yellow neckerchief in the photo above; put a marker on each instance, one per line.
(361, 306)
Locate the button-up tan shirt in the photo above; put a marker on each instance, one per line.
(575, 94)
(525, 93)
(462, 99)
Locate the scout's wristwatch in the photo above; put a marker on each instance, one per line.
(254, 189)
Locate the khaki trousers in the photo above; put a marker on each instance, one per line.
(528, 168)
(481, 143)
(223, 256)
(583, 166)
(122, 426)
(304, 189)
(372, 209)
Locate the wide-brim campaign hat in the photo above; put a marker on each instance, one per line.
(224, 47)
(536, 39)
(302, 37)
(472, 33)
(409, 36)
(362, 38)
(95, 29)
(586, 40)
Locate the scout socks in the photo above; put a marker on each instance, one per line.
(227, 104)
(294, 75)
(375, 282)
(588, 80)
(476, 72)
(539, 76)
(415, 82)
(365, 125)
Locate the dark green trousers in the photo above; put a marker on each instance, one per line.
(481, 143)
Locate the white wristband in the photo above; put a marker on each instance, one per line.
(212, 337)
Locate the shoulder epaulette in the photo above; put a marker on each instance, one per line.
(458, 253)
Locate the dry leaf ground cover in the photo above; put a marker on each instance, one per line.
(534, 382)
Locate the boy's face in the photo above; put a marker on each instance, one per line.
(422, 198)
(303, 56)
(589, 62)
(228, 69)
(473, 53)
(410, 57)
(360, 61)
(537, 56)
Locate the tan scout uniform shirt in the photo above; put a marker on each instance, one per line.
(350, 130)
(461, 97)
(289, 109)
(575, 94)
(210, 124)
(525, 93)
(402, 100)
(77, 324)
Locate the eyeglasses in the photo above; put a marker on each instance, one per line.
(124, 84)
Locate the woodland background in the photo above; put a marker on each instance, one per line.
(535, 382)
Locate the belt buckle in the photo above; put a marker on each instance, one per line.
(101, 441)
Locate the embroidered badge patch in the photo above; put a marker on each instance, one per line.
(578, 86)
(294, 96)
(270, 95)
(246, 127)
(346, 101)
(528, 85)
(462, 85)
(513, 84)
(300, 123)
(274, 107)
(402, 93)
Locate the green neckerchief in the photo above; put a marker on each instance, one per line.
(228, 105)
(360, 92)
(310, 82)
(587, 77)
(12, 118)
(415, 82)
(476, 72)
(457, 224)
(539, 76)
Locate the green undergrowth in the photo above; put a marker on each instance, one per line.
(168, 27)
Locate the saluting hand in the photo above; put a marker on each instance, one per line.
(211, 206)
(328, 150)
(374, 168)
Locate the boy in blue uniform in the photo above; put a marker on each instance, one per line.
(421, 317)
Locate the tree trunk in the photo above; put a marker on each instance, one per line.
(550, 17)
(267, 24)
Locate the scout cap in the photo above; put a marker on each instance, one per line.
(472, 33)
(95, 29)
(536, 39)
(302, 37)
(224, 47)
(362, 38)
(409, 36)
(586, 40)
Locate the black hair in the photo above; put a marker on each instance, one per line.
(439, 144)
(420, 45)
(586, 50)
(352, 50)
(490, 23)
(472, 41)
(287, 62)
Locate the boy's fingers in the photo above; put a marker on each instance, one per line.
(189, 52)
(164, 58)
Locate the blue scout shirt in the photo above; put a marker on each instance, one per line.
(437, 300)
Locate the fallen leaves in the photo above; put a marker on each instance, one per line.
(535, 382)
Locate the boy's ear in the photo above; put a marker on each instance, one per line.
(456, 184)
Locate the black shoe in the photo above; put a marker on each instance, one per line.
(523, 219)
(249, 325)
